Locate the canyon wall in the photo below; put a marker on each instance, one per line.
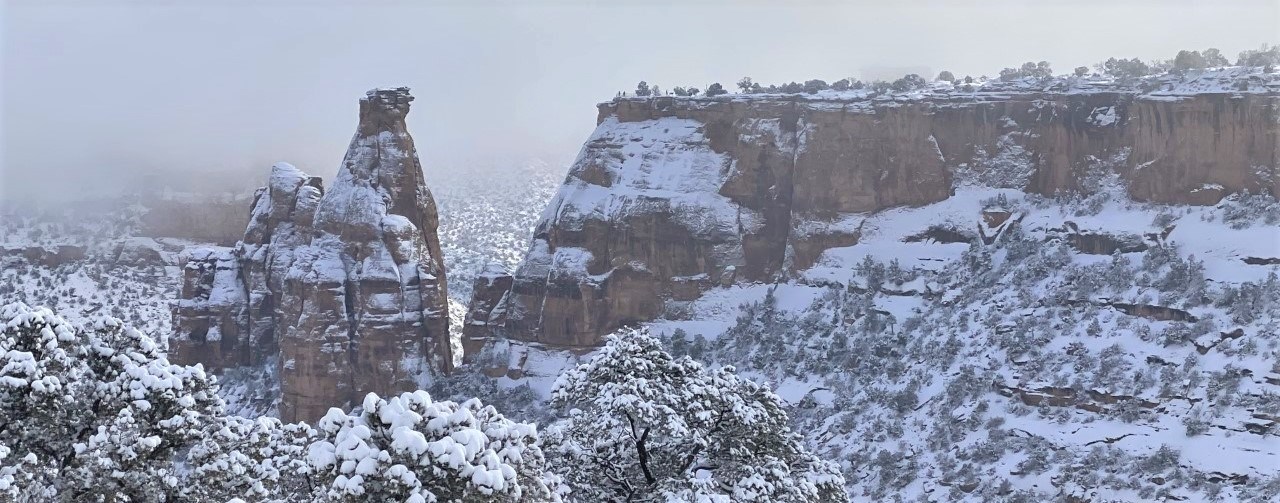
(671, 196)
(345, 287)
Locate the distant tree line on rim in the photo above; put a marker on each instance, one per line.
(1268, 57)
(644, 89)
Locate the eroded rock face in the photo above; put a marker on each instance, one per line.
(235, 293)
(671, 196)
(48, 256)
(488, 300)
(367, 305)
(211, 314)
(346, 286)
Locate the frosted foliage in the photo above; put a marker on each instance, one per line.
(15, 473)
(1025, 369)
(97, 413)
(410, 448)
(641, 425)
(93, 412)
(262, 460)
(1007, 165)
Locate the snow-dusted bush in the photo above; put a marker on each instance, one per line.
(909, 82)
(1039, 70)
(1124, 68)
(93, 413)
(99, 414)
(1243, 210)
(1264, 56)
(410, 448)
(641, 425)
(15, 473)
(262, 460)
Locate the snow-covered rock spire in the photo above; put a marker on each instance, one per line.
(347, 284)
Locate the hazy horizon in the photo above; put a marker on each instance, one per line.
(95, 95)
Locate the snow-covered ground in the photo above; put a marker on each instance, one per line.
(84, 262)
(1024, 369)
(487, 216)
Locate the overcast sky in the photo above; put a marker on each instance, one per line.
(96, 92)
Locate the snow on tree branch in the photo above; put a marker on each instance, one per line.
(641, 425)
(410, 448)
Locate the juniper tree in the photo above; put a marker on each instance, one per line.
(414, 449)
(95, 412)
(641, 425)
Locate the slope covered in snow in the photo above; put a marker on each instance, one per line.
(1032, 366)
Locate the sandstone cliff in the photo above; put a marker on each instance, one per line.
(347, 286)
(671, 196)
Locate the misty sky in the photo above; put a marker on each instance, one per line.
(97, 93)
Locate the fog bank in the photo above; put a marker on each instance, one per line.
(104, 96)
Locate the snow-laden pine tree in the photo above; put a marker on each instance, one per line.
(96, 413)
(641, 425)
(413, 449)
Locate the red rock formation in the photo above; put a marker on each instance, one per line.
(280, 224)
(671, 196)
(235, 293)
(366, 305)
(346, 286)
(490, 288)
(210, 315)
(48, 256)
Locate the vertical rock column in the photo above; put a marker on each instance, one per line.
(279, 224)
(364, 307)
(226, 316)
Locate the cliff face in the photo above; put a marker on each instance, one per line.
(671, 196)
(346, 286)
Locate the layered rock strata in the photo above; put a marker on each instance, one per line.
(671, 196)
(347, 286)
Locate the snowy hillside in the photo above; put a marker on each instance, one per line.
(954, 307)
(84, 261)
(487, 215)
(1001, 346)
(993, 346)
